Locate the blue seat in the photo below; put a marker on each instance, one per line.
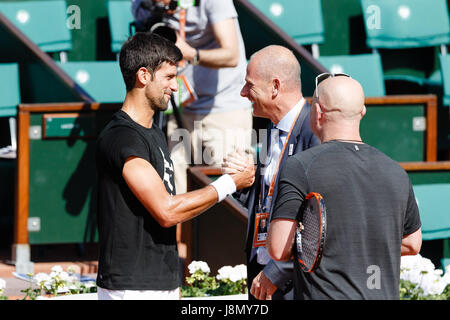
(445, 262)
(445, 75)
(406, 24)
(300, 19)
(102, 80)
(434, 206)
(44, 22)
(10, 93)
(400, 24)
(120, 17)
(366, 68)
(9, 100)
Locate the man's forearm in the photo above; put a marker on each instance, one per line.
(186, 206)
(412, 243)
(219, 58)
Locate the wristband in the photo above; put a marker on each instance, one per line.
(196, 59)
(224, 186)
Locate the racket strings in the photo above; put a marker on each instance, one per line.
(310, 234)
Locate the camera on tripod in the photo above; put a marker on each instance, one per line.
(157, 11)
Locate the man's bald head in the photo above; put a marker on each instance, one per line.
(341, 97)
(278, 61)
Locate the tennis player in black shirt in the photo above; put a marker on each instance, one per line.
(372, 215)
(137, 206)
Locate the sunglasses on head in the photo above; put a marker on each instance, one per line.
(327, 75)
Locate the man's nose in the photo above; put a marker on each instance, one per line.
(244, 91)
(174, 85)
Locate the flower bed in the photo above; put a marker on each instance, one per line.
(228, 281)
(57, 283)
(419, 280)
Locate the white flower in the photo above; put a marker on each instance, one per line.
(62, 289)
(413, 268)
(90, 284)
(427, 265)
(233, 274)
(73, 286)
(57, 269)
(422, 272)
(432, 284)
(224, 273)
(2, 284)
(71, 269)
(241, 269)
(42, 278)
(64, 276)
(198, 265)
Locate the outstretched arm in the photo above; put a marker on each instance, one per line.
(169, 210)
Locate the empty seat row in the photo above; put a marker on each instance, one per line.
(399, 25)
(389, 24)
(100, 79)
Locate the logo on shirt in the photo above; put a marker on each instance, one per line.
(168, 172)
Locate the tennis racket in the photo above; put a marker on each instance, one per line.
(311, 232)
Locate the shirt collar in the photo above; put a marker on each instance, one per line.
(285, 124)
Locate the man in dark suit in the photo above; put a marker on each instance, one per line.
(273, 86)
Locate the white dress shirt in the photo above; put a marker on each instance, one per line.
(278, 137)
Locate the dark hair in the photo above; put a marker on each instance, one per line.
(146, 50)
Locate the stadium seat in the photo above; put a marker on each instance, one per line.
(44, 22)
(300, 19)
(434, 207)
(366, 68)
(445, 262)
(120, 17)
(9, 100)
(400, 24)
(102, 80)
(9, 94)
(445, 75)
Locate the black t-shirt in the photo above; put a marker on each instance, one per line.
(370, 206)
(136, 253)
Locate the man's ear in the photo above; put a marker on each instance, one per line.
(363, 112)
(318, 110)
(142, 76)
(276, 84)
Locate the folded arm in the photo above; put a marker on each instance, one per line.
(411, 243)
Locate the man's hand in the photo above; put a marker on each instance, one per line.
(262, 288)
(188, 52)
(235, 162)
(241, 168)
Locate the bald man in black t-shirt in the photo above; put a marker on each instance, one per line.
(372, 215)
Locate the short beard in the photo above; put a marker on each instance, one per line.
(158, 104)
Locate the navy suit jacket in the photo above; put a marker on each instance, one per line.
(279, 273)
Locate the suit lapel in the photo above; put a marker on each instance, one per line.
(293, 140)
